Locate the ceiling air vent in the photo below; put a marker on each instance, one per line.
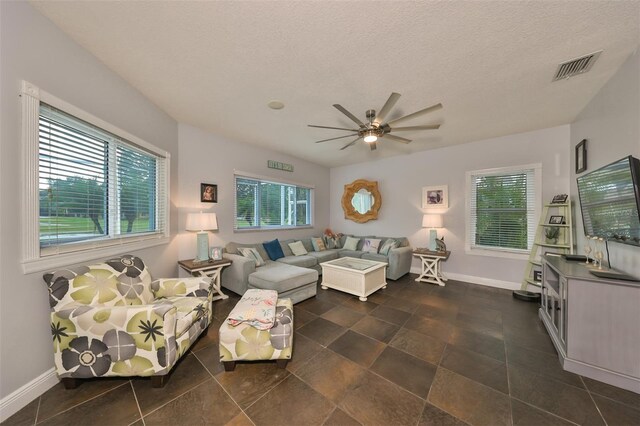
(576, 66)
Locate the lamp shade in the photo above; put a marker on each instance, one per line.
(432, 221)
(202, 222)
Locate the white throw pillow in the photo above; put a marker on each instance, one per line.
(371, 245)
(351, 243)
(297, 248)
(251, 253)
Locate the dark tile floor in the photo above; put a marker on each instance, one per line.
(413, 354)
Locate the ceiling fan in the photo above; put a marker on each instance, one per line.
(376, 128)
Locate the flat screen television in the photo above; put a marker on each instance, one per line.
(610, 201)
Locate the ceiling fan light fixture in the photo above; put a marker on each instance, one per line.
(370, 137)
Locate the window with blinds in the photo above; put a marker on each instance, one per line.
(502, 209)
(262, 204)
(94, 186)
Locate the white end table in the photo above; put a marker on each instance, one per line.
(211, 269)
(430, 260)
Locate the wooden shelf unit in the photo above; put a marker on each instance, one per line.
(563, 245)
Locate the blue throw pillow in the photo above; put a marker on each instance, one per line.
(274, 250)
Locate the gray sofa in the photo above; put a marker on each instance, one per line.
(296, 276)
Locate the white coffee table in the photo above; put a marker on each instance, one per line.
(359, 277)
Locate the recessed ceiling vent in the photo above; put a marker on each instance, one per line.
(576, 66)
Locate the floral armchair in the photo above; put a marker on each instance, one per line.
(110, 319)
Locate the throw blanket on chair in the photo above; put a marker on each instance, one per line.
(257, 308)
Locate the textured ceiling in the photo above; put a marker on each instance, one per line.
(216, 65)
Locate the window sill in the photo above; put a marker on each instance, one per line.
(49, 263)
(496, 253)
(292, 228)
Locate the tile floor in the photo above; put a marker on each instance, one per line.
(414, 354)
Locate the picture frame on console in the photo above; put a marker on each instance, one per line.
(435, 197)
(216, 253)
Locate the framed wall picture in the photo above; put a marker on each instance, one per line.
(537, 276)
(581, 156)
(435, 197)
(208, 193)
(556, 220)
(216, 253)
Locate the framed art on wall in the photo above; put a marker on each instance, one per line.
(581, 156)
(435, 197)
(208, 193)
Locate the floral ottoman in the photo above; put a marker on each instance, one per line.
(255, 341)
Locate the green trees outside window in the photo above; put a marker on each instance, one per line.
(264, 204)
(91, 185)
(502, 208)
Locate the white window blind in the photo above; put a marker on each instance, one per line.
(503, 204)
(263, 204)
(94, 187)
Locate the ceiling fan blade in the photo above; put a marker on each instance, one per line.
(332, 139)
(416, 114)
(334, 128)
(373, 146)
(428, 127)
(350, 143)
(396, 138)
(348, 114)
(386, 108)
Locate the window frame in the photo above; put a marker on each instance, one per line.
(532, 224)
(32, 257)
(267, 179)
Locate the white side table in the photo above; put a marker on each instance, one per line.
(211, 269)
(430, 260)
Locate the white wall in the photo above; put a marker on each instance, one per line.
(208, 158)
(611, 125)
(33, 49)
(401, 179)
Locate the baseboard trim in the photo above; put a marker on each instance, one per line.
(489, 282)
(18, 399)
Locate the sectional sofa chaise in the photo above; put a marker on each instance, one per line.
(295, 277)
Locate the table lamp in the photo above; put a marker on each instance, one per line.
(201, 223)
(432, 221)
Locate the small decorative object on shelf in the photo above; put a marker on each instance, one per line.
(440, 245)
(551, 234)
(537, 276)
(559, 199)
(556, 220)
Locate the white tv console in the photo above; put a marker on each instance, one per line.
(594, 323)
